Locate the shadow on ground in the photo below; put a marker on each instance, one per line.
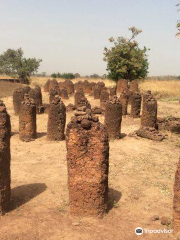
(114, 197)
(23, 194)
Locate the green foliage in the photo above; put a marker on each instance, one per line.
(63, 75)
(178, 23)
(95, 75)
(178, 77)
(12, 63)
(125, 59)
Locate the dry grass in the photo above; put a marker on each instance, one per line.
(169, 90)
(7, 88)
(42, 80)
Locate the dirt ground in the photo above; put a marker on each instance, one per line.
(141, 181)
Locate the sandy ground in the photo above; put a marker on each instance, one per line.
(140, 180)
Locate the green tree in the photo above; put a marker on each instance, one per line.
(125, 59)
(13, 63)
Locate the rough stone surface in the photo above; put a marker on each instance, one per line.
(112, 91)
(36, 95)
(104, 97)
(165, 220)
(135, 105)
(27, 120)
(53, 83)
(53, 92)
(150, 133)
(134, 87)
(149, 111)
(5, 158)
(69, 86)
(78, 85)
(56, 120)
(86, 87)
(124, 98)
(64, 93)
(18, 97)
(78, 95)
(96, 110)
(88, 165)
(46, 107)
(176, 201)
(97, 92)
(70, 107)
(171, 124)
(83, 102)
(122, 84)
(46, 86)
(113, 117)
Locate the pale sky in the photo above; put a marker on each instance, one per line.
(70, 35)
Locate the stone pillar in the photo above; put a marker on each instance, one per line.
(69, 86)
(176, 201)
(53, 83)
(86, 87)
(134, 86)
(56, 120)
(122, 84)
(36, 95)
(113, 117)
(135, 105)
(88, 165)
(5, 158)
(53, 92)
(64, 93)
(46, 86)
(149, 111)
(97, 92)
(124, 98)
(18, 97)
(27, 120)
(104, 97)
(78, 95)
(83, 103)
(112, 91)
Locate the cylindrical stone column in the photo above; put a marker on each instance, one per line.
(5, 157)
(53, 83)
(134, 86)
(104, 97)
(78, 95)
(135, 105)
(112, 91)
(64, 93)
(69, 86)
(176, 201)
(124, 98)
(149, 111)
(46, 86)
(113, 117)
(56, 120)
(18, 97)
(27, 120)
(97, 92)
(88, 164)
(122, 84)
(53, 92)
(36, 95)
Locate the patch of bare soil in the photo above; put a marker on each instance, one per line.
(141, 182)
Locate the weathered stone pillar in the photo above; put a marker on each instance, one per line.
(83, 103)
(46, 86)
(176, 201)
(18, 97)
(27, 120)
(104, 97)
(5, 157)
(64, 93)
(69, 86)
(53, 92)
(78, 95)
(97, 92)
(134, 86)
(135, 105)
(113, 117)
(149, 111)
(124, 98)
(112, 91)
(88, 164)
(86, 87)
(122, 84)
(53, 83)
(36, 95)
(56, 120)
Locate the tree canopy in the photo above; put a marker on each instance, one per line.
(178, 23)
(125, 59)
(13, 63)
